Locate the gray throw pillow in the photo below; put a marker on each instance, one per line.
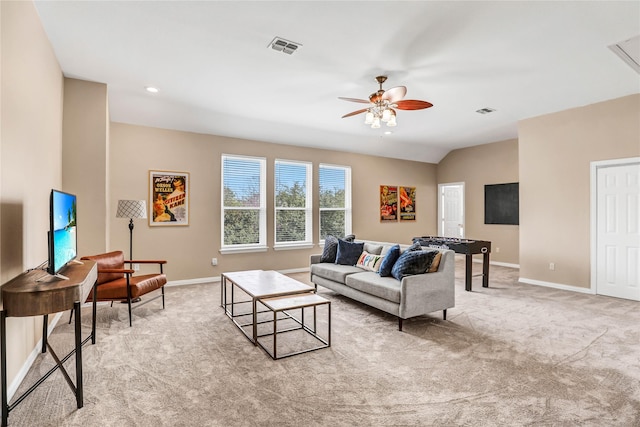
(330, 249)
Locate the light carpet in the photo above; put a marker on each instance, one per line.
(508, 355)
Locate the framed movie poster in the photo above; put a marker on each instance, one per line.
(168, 198)
(388, 203)
(407, 203)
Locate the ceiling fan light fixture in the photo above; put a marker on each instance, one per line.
(392, 121)
(368, 118)
(382, 105)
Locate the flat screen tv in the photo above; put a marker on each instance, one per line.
(63, 238)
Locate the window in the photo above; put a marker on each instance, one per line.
(243, 203)
(293, 215)
(335, 200)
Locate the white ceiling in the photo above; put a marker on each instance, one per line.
(216, 74)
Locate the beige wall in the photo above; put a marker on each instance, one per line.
(30, 155)
(555, 155)
(477, 166)
(85, 160)
(135, 150)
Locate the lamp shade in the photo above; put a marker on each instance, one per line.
(132, 209)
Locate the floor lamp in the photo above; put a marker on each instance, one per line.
(131, 209)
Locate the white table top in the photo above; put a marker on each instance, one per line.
(263, 284)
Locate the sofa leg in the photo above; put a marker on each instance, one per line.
(444, 314)
(400, 324)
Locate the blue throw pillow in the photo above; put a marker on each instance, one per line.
(412, 262)
(389, 260)
(330, 249)
(348, 252)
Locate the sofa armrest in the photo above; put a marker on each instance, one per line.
(428, 292)
(315, 259)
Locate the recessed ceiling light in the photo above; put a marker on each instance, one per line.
(152, 89)
(388, 132)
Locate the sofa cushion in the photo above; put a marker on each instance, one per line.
(389, 260)
(335, 272)
(370, 262)
(369, 282)
(412, 262)
(330, 249)
(348, 252)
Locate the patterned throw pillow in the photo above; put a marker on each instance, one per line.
(414, 247)
(412, 262)
(369, 261)
(348, 252)
(330, 249)
(389, 260)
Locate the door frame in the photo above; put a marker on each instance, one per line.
(441, 207)
(595, 165)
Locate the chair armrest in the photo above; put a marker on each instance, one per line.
(146, 261)
(116, 270)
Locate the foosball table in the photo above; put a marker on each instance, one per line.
(467, 247)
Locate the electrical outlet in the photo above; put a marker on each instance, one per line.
(214, 261)
(136, 267)
(497, 250)
(552, 266)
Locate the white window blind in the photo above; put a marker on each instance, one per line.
(335, 200)
(243, 202)
(293, 202)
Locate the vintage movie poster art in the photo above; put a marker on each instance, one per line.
(407, 203)
(169, 198)
(388, 203)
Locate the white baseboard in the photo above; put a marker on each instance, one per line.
(199, 281)
(556, 286)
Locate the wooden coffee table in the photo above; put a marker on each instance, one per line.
(257, 284)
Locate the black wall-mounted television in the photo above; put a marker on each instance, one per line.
(63, 236)
(501, 204)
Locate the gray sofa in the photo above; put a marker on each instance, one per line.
(412, 296)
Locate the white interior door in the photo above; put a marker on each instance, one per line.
(618, 230)
(451, 210)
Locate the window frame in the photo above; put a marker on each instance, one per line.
(347, 202)
(261, 246)
(308, 208)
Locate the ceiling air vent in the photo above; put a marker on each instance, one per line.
(283, 45)
(629, 52)
(485, 110)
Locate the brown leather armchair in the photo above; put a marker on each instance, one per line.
(116, 283)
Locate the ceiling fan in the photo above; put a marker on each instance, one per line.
(382, 105)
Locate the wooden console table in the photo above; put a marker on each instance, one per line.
(33, 293)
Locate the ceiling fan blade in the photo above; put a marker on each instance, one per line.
(354, 113)
(362, 101)
(394, 94)
(412, 104)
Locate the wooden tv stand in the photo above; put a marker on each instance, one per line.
(29, 294)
